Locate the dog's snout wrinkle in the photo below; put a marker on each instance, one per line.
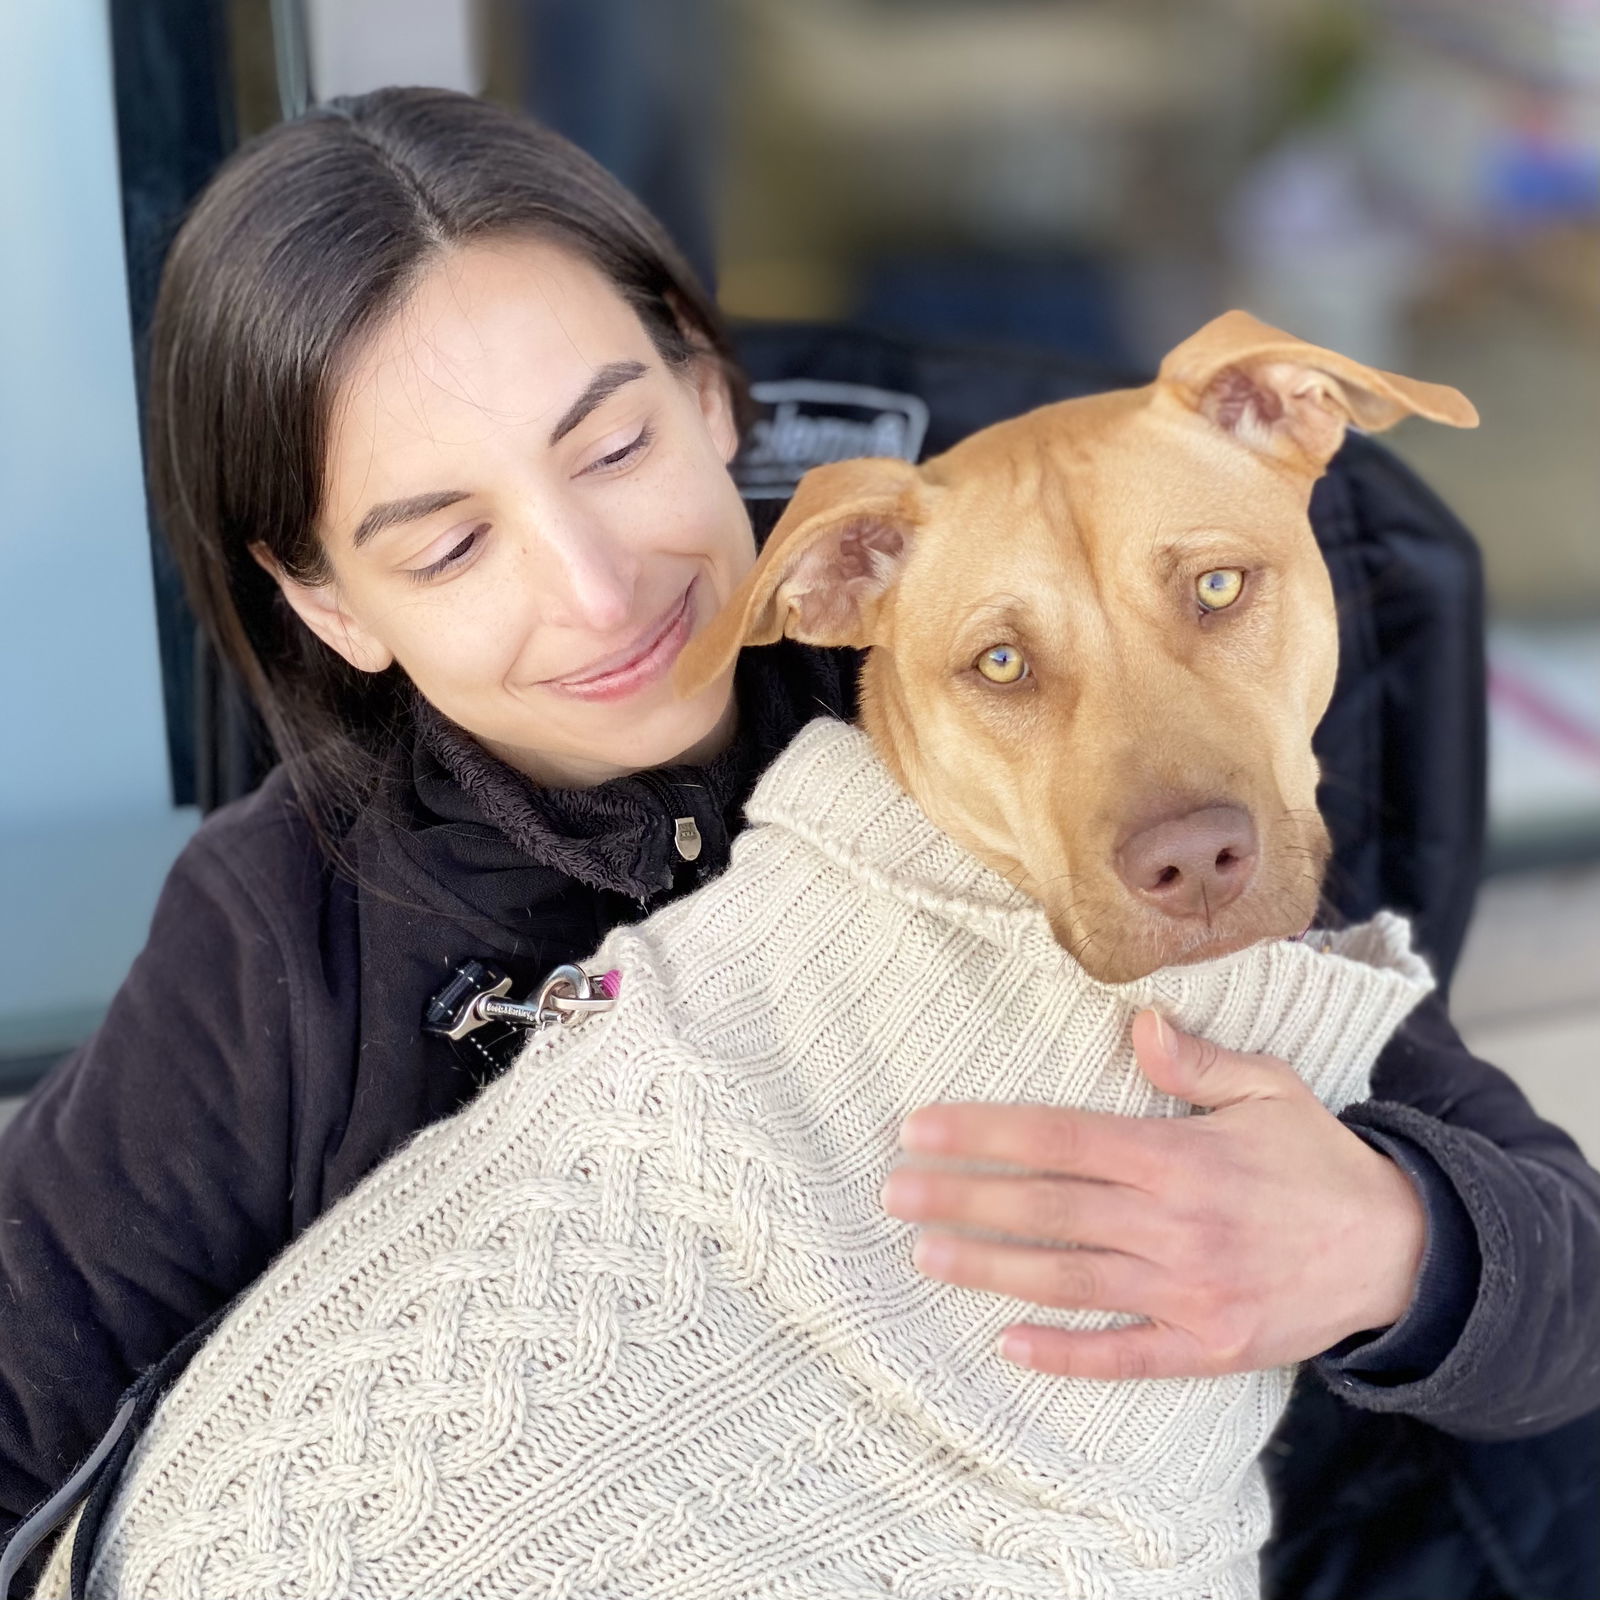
(1191, 865)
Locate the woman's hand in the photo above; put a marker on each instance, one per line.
(1253, 1237)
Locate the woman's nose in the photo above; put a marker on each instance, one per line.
(587, 575)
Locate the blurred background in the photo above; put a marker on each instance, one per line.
(1413, 182)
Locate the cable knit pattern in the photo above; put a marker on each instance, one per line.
(635, 1324)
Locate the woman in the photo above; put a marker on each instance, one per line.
(439, 432)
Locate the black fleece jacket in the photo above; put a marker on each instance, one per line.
(265, 1053)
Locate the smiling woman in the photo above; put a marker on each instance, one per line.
(583, 529)
(440, 424)
(487, 427)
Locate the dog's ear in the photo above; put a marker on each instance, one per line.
(824, 569)
(1293, 400)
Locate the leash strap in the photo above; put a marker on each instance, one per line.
(58, 1507)
(95, 1481)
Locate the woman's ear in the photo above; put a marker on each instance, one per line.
(716, 404)
(318, 606)
(710, 380)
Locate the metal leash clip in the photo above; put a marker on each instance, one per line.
(476, 992)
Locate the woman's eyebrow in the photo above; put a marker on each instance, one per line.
(602, 385)
(411, 509)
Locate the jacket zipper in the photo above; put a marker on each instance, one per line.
(688, 838)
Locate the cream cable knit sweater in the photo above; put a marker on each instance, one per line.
(634, 1323)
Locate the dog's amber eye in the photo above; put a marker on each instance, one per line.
(1218, 589)
(1002, 663)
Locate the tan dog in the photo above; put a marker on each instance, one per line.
(1100, 637)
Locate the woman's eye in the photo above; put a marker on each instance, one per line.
(1218, 590)
(453, 557)
(639, 443)
(1002, 663)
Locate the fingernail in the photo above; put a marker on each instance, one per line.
(1016, 1346)
(933, 1255)
(924, 1134)
(1164, 1035)
(900, 1196)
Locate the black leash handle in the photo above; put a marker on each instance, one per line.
(58, 1507)
(95, 1481)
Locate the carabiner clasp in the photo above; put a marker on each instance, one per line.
(476, 994)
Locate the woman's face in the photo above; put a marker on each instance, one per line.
(531, 514)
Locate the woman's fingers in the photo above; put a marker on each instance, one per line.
(1181, 1339)
(1082, 1144)
(1090, 1280)
(1144, 1350)
(1048, 1210)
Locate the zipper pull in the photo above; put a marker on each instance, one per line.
(686, 836)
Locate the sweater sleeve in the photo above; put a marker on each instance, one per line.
(1522, 1209)
(143, 1183)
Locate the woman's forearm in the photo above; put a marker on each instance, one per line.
(1527, 1357)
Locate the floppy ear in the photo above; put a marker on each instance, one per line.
(1291, 399)
(823, 572)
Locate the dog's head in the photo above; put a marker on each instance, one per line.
(1101, 636)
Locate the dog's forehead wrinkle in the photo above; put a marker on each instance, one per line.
(1002, 609)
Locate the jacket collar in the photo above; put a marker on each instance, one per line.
(471, 829)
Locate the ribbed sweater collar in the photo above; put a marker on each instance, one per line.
(1323, 1001)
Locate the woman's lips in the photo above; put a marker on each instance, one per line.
(651, 660)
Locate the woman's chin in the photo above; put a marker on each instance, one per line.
(619, 739)
(672, 740)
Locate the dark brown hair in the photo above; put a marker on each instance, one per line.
(306, 239)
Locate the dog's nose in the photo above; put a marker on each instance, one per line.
(1191, 866)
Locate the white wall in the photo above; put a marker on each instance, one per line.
(357, 45)
(87, 828)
